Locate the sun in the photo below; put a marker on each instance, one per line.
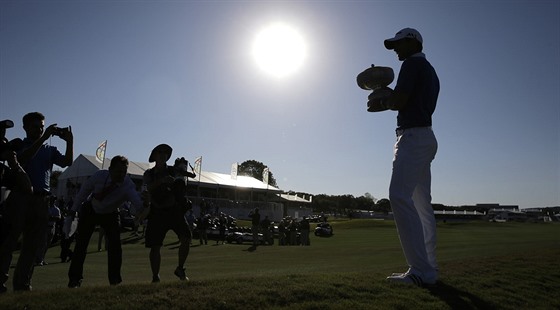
(279, 50)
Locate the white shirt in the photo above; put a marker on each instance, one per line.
(125, 191)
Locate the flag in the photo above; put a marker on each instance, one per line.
(100, 153)
(265, 175)
(198, 165)
(234, 171)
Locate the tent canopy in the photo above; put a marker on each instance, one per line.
(87, 165)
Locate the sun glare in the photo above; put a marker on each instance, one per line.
(279, 50)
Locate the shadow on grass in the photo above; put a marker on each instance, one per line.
(132, 240)
(458, 299)
(251, 249)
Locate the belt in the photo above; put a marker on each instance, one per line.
(400, 131)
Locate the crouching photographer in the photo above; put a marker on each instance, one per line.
(97, 204)
(167, 188)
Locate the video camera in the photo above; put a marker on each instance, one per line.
(182, 167)
(6, 145)
(6, 124)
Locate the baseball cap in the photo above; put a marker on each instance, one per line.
(410, 33)
(6, 124)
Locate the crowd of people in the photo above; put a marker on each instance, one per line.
(219, 227)
(31, 211)
(32, 218)
(293, 232)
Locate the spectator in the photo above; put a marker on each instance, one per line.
(67, 234)
(293, 228)
(222, 225)
(265, 228)
(191, 219)
(282, 232)
(54, 216)
(202, 227)
(304, 228)
(255, 223)
(37, 158)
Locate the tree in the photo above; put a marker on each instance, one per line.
(255, 169)
(370, 197)
(383, 205)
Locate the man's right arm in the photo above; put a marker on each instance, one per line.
(25, 155)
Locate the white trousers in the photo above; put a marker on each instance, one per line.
(411, 200)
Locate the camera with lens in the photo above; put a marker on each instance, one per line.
(181, 166)
(11, 146)
(5, 145)
(60, 131)
(6, 124)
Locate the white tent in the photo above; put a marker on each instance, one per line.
(86, 165)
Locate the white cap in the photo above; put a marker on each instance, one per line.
(403, 34)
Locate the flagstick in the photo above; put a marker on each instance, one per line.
(266, 192)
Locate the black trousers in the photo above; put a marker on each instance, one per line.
(86, 226)
(28, 216)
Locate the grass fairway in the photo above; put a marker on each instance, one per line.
(483, 266)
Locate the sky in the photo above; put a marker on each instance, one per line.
(140, 73)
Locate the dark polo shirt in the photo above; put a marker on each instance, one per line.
(419, 80)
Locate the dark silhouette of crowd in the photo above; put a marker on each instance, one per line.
(33, 219)
(26, 209)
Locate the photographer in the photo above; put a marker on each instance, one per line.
(37, 158)
(13, 179)
(97, 203)
(12, 175)
(168, 204)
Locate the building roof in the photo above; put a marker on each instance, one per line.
(295, 198)
(86, 165)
